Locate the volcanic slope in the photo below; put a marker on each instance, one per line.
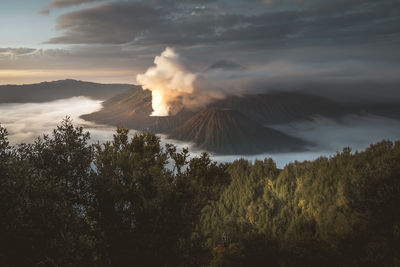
(282, 107)
(227, 131)
(231, 125)
(132, 109)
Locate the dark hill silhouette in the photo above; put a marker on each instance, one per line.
(229, 132)
(48, 91)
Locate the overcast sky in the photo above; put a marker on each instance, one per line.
(112, 41)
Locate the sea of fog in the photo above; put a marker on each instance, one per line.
(25, 122)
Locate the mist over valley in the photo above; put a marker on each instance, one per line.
(321, 129)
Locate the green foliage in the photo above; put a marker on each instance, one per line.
(42, 193)
(136, 210)
(339, 211)
(133, 202)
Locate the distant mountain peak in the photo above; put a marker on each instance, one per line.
(48, 91)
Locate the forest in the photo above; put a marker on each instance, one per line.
(132, 201)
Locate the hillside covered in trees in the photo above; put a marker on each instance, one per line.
(134, 202)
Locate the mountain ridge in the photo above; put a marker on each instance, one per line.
(49, 91)
(231, 125)
(228, 120)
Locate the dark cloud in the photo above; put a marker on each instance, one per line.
(111, 23)
(62, 4)
(293, 40)
(188, 23)
(225, 65)
(67, 3)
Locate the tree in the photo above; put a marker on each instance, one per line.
(132, 201)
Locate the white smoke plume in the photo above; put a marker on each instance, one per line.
(174, 87)
(168, 82)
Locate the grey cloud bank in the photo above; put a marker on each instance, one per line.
(353, 37)
(350, 39)
(66, 3)
(250, 23)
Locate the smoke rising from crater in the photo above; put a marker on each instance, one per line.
(174, 87)
(168, 82)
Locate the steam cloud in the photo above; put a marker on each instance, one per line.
(168, 82)
(173, 87)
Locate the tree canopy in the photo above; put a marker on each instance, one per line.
(132, 201)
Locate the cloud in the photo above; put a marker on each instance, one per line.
(110, 23)
(175, 87)
(42, 117)
(332, 135)
(271, 25)
(310, 34)
(169, 82)
(16, 52)
(45, 11)
(349, 131)
(360, 37)
(67, 3)
(63, 4)
(225, 65)
(108, 64)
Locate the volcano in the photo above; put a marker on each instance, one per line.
(132, 109)
(227, 131)
(234, 125)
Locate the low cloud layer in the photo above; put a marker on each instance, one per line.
(328, 135)
(26, 122)
(353, 131)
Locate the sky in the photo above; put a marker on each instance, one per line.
(113, 41)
